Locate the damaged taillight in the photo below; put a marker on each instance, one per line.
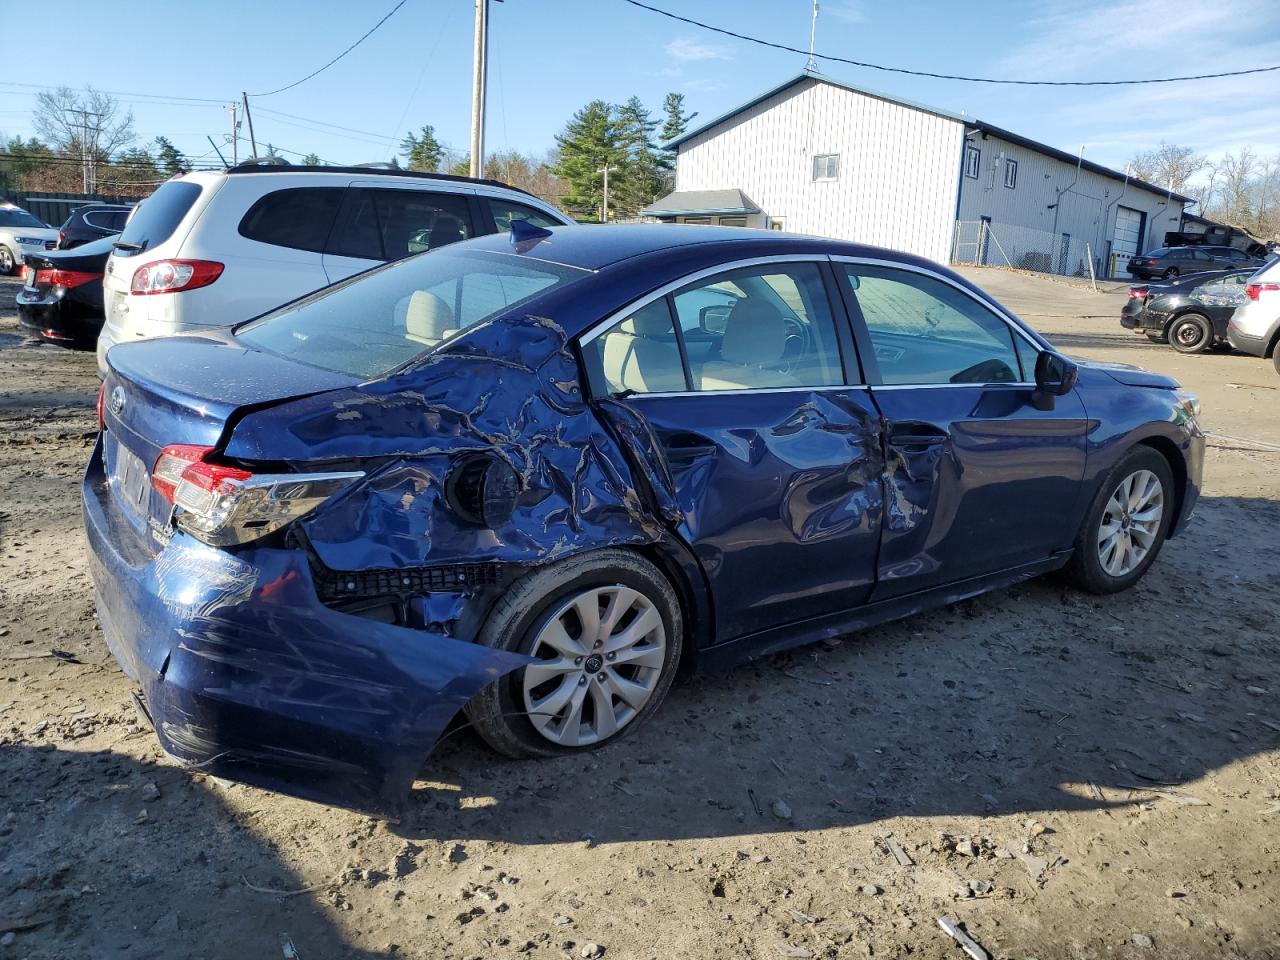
(223, 504)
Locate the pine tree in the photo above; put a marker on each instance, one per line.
(169, 158)
(312, 160)
(640, 178)
(677, 121)
(590, 141)
(423, 152)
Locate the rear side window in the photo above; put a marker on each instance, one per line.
(299, 218)
(504, 211)
(159, 215)
(378, 224)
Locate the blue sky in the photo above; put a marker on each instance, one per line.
(548, 57)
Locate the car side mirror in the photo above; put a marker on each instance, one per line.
(1055, 377)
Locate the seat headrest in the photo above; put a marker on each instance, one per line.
(755, 334)
(444, 231)
(428, 317)
(653, 320)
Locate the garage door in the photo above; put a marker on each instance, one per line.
(1124, 242)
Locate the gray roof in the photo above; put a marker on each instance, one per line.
(971, 123)
(701, 203)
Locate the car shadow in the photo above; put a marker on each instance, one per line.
(87, 874)
(1033, 698)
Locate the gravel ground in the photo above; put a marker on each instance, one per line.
(1063, 775)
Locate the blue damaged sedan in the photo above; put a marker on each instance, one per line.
(535, 478)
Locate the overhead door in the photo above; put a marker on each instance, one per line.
(1127, 239)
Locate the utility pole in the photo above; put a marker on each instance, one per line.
(248, 116)
(478, 84)
(235, 133)
(604, 217)
(87, 161)
(813, 34)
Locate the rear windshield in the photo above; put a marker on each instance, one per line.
(383, 319)
(15, 217)
(1157, 252)
(159, 215)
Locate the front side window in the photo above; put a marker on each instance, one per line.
(1011, 173)
(298, 218)
(639, 354)
(381, 320)
(924, 331)
(972, 162)
(17, 217)
(381, 224)
(504, 211)
(826, 166)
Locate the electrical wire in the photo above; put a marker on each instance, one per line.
(945, 76)
(118, 93)
(290, 86)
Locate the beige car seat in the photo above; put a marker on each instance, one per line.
(755, 338)
(428, 319)
(640, 353)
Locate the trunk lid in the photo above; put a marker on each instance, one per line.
(90, 259)
(186, 390)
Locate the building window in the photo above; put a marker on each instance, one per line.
(777, 223)
(1011, 173)
(826, 166)
(733, 221)
(972, 161)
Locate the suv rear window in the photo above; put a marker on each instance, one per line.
(159, 215)
(381, 320)
(299, 218)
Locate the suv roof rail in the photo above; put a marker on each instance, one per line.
(376, 165)
(263, 166)
(256, 163)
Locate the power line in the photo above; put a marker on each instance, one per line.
(945, 76)
(337, 58)
(117, 93)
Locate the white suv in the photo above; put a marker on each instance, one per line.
(1255, 326)
(210, 249)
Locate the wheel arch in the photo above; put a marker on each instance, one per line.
(686, 576)
(1177, 466)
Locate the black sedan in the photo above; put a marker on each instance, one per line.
(1169, 262)
(1191, 313)
(61, 296)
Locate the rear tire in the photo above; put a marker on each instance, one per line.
(1126, 525)
(1191, 333)
(539, 617)
(1169, 274)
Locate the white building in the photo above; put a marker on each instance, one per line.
(820, 157)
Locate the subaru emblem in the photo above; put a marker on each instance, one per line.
(117, 401)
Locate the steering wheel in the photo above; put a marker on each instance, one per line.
(794, 346)
(988, 371)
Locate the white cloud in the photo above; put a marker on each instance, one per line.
(850, 11)
(686, 48)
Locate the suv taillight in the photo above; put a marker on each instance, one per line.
(174, 276)
(1254, 291)
(224, 505)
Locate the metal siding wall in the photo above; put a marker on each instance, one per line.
(1088, 211)
(897, 183)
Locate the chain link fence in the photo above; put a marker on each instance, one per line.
(982, 243)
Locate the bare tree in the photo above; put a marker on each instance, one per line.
(1168, 165)
(1235, 176)
(85, 123)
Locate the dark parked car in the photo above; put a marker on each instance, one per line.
(92, 222)
(537, 477)
(1169, 262)
(61, 296)
(1190, 312)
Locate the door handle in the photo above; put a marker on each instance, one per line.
(683, 445)
(913, 433)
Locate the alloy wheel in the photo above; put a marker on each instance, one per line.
(599, 658)
(6, 261)
(1130, 523)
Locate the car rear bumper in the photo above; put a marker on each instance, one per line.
(247, 675)
(58, 317)
(1254, 346)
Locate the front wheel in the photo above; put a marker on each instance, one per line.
(6, 261)
(605, 632)
(1126, 525)
(1191, 333)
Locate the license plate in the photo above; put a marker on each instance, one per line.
(128, 477)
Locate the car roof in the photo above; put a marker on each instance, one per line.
(593, 246)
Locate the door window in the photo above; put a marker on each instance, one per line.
(299, 218)
(639, 354)
(504, 211)
(924, 331)
(379, 224)
(759, 327)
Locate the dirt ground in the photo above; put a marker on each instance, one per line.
(1064, 775)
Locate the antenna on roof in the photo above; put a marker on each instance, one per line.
(812, 65)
